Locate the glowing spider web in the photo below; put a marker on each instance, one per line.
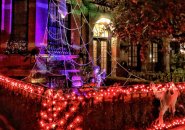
(62, 10)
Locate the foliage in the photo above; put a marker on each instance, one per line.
(142, 20)
(177, 63)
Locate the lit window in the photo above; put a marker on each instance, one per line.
(153, 53)
(132, 56)
(95, 52)
(100, 29)
(57, 34)
(103, 55)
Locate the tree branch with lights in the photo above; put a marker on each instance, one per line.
(147, 19)
(141, 21)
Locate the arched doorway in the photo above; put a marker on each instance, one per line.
(104, 47)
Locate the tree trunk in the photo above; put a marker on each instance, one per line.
(144, 54)
(166, 52)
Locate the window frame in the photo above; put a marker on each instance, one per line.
(55, 28)
(133, 55)
(153, 58)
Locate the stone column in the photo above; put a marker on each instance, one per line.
(41, 23)
(114, 56)
(144, 55)
(31, 24)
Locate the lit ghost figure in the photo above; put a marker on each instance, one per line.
(98, 76)
(62, 9)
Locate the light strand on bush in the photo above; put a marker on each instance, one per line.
(54, 112)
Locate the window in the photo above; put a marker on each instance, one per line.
(132, 55)
(100, 29)
(103, 55)
(58, 35)
(153, 53)
(95, 52)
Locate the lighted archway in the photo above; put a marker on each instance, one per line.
(101, 28)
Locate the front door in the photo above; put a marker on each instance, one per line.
(100, 53)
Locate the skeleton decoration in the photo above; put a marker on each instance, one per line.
(98, 76)
(168, 98)
(62, 8)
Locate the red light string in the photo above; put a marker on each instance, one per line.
(58, 108)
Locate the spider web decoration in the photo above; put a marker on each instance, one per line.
(56, 30)
(60, 57)
(54, 60)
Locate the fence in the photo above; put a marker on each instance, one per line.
(113, 108)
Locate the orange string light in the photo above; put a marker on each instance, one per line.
(55, 102)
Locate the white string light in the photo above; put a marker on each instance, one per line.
(65, 42)
(56, 5)
(89, 42)
(109, 53)
(86, 63)
(71, 29)
(130, 74)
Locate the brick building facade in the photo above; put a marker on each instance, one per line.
(24, 26)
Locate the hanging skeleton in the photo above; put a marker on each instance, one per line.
(99, 76)
(62, 9)
(168, 99)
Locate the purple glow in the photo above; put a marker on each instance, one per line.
(2, 16)
(99, 76)
(41, 22)
(77, 81)
(62, 57)
(42, 5)
(74, 78)
(96, 70)
(77, 84)
(6, 16)
(10, 22)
